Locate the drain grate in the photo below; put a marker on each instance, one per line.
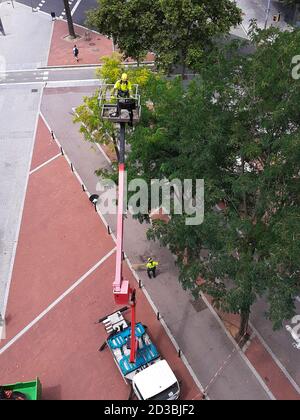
(34, 90)
(199, 305)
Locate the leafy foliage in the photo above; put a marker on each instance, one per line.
(238, 127)
(177, 31)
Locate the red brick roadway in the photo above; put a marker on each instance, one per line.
(58, 291)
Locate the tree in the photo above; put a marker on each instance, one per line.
(238, 127)
(177, 31)
(88, 115)
(189, 29)
(130, 24)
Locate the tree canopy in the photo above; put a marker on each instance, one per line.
(177, 31)
(238, 128)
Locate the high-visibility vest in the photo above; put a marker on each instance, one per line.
(152, 264)
(123, 86)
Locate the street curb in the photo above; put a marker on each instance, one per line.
(78, 66)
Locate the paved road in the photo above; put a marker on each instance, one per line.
(47, 75)
(257, 9)
(78, 7)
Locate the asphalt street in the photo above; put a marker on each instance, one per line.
(78, 8)
(48, 75)
(252, 9)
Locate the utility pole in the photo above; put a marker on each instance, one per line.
(69, 19)
(267, 13)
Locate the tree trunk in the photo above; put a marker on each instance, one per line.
(69, 19)
(183, 69)
(245, 314)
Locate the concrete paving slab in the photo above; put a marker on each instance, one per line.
(22, 48)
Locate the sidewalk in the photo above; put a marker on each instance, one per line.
(22, 47)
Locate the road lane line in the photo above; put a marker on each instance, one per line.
(44, 164)
(75, 7)
(56, 302)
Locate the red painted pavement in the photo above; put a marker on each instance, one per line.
(60, 240)
(45, 147)
(62, 348)
(274, 378)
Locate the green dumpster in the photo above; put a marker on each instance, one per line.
(32, 390)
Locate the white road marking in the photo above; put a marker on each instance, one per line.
(55, 303)
(75, 7)
(44, 164)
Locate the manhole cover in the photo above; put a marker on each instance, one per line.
(92, 44)
(198, 304)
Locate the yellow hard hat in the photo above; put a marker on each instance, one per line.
(124, 77)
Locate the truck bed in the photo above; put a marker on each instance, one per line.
(32, 389)
(146, 353)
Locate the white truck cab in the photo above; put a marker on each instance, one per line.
(156, 382)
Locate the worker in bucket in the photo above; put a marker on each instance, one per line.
(151, 268)
(123, 90)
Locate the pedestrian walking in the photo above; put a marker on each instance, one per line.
(76, 53)
(151, 268)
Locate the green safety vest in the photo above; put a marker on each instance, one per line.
(123, 86)
(152, 264)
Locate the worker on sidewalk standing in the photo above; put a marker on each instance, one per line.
(122, 90)
(151, 268)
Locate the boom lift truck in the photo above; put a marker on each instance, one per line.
(137, 358)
